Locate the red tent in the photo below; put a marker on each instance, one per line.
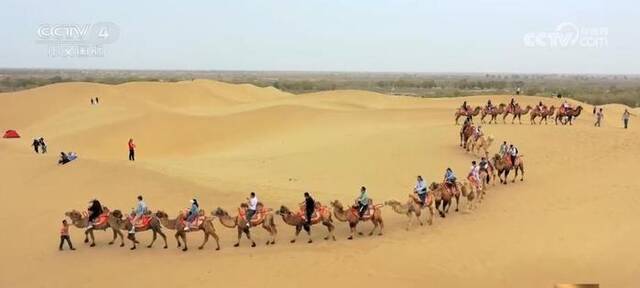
(11, 134)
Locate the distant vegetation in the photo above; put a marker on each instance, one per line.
(593, 89)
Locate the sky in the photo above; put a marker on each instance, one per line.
(484, 36)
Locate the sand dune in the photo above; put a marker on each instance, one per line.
(571, 220)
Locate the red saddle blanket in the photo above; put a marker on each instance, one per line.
(195, 224)
(257, 218)
(143, 222)
(316, 214)
(367, 214)
(102, 219)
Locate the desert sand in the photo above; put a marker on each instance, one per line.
(573, 219)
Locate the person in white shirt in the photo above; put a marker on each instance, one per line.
(252, 202)
(474, 174)
(421, 190)
(513, 152)
(625, 118)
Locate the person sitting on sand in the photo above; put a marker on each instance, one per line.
(362, 202)
(192, 215)
(95, 210)
(64, 159)
(421, 190)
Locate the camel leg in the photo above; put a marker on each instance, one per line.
(153, 240)
(271, 231)
(248, 233)
(114, 236)
(418, 214)
(93, 239)
(375, 225)
(121, 237)
(298, 229)
(431, 214)
(206, 239)
(381, 226)
(86, 236)
(352, 230)
(183, 236)
(215, 237)
(177, 235)
(239, 235)
(330, 227)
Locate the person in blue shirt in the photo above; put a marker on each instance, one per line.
(421, 190)
(141, 208)
(193, 212)
(362, 201)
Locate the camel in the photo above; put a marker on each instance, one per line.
(413, 207)
(504, 166)
(444, 195)
(323, 215)
(517, 113)
(116, 220)
(570, 113)
(494, 113)
(263, 217)
(482, 143)
(465, 134)
(351, 216)
(82, 221)
(461, 112)
(544, 114)
(178, 224)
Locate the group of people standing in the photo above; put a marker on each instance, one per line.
(39, 145)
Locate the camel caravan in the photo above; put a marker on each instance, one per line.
(565, 113)
(438, 196)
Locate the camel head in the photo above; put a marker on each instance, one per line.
(220, 212)
(74, 215)
(434, 186)
(117, 214)
(283, 211)
(393, 202)
(336, 204)
(502, 105)
(161, 214)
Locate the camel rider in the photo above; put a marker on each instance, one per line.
(465, 107)
(141, 208)
(565, 105)
(362, 201)
(513, 152)
(484, 166)
(95, 210)
(504, 148)
(489, 105)
(192, 215)
(421, 190)
(309, 208)
(252, 202)
(477, 132)
(449, 177)
(541, 107)
(474, 173)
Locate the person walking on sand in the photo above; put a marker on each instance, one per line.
(36, 145)
(309, 209)
(252, 202)
(97, 100)
(132, 150)
(141, 208)
(64, 236)
(599, 116)
(625, 118)
(43, 145)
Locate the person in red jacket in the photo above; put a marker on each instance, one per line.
(132, 150)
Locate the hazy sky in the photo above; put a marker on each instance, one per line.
(349, 35)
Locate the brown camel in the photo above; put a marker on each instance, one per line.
(543, 114)
(570, 113)
(517, 112)
(321, 215)
(178, 224)
(351, 216)
(481, 144)
(413, 207)
(82, 221)
(263, 217)
(493, 112)
(504, 166)
(153, 224)
(461, 112)
(465, 134)
(443, 195)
